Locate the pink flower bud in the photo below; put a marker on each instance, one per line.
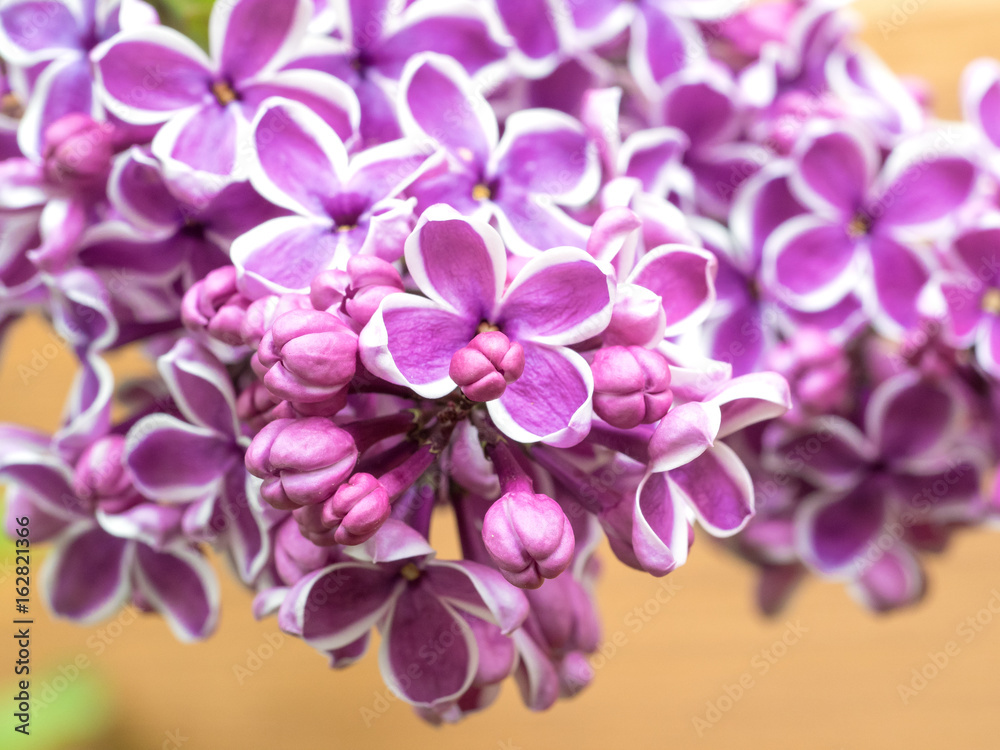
(302, 461)
(256, 406)
(357, 510)
(263, 312)
(215, 306)
(307, 356)
(816, 369)
(359, 291)
(101, 479)
(631, 386)
(78, 149)
(484, 367)
(528, 537)
(294, 555)
(637, 319)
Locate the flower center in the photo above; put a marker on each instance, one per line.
(991, 301)
(223, 93)
(11, 106)
(410, 572)
(341, 228)
(860, 226)
(481, 192)
(485, 327)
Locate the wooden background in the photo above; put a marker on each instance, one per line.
(836, 687)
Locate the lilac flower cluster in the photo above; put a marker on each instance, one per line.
(569, 270)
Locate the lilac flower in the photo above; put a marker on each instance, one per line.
(862, 218)
(907, 468)
(543, 160)
(343, 208)
(373, 40)
(199, 462)
(560, 298)
(54, 39)
(120, 553)
(417, 602)
(206, 105)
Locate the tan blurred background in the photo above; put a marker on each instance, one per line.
(836, 687)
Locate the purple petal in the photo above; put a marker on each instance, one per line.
(263, 253)
(204, 139)
(894, 580)
(763, 204)
(410, 341)
(684, 279)
(176, 462)
(547, 152)
(532, 26)
(47, 478)
(899, 275)
(652, 156)
(550, 402)
(719, 488)
(182, 586)
(703, 108)
(981, 97)
(471, 586)
(174, 74)
(833, 533)
(749, 399)
(339, 604)
(86, 576)
(201, 387)
(243, 523)
(459, 262)
(832, 453)
(137, 189)
(660, 45)
(457, 30)
(683, 434)
(439, 101)
(330, 98)
(246, 35)
(660, 531)
(979, 249)
(419, 618)
(812, 263)
(912, 420)
(560, 297)
(836, 165)
(300, 161)
(39, 26)
(532, 223)
(919, 190)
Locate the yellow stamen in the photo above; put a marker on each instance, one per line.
(481, 193)
(223, 92)
(859, 227)
(410, 572)
(11, 106)
(346, 227)
(991, 301)
(486, 327)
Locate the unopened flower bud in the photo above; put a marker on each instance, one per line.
(357, 510)
(302, 461)
(78, 149)
(256, 406)
(358, 291)
(484, 367)
(528, 537)
(215, 306)
(631, 386)
(101, 478)
(307, 356)
(637, 319)
(262, 313)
